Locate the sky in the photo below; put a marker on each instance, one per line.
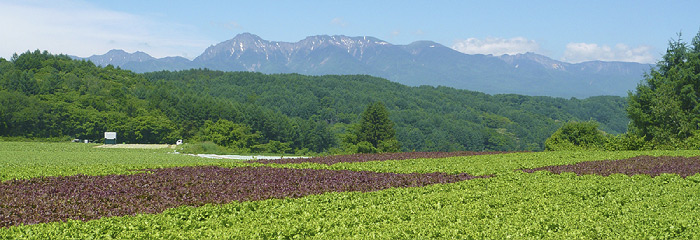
(570, 31)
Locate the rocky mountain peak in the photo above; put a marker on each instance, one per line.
(247, 37)
(245, 41)
(119, 57)
(116, 52)
(235, 47)
(340, 41)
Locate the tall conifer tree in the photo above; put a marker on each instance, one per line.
(375, 125)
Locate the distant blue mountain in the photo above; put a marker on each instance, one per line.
(415, 64)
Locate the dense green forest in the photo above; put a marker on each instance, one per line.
(52, 96)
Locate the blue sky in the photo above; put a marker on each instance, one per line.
(571, 31)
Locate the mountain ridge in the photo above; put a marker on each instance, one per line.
(414, 64)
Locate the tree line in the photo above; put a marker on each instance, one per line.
(53, 96)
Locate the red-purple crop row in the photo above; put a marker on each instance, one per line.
(83, 197)
(366, 157)
(652, 166)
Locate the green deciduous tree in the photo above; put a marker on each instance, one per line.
(150, 129)
(665, 108)
(229, 134)
(576, 136)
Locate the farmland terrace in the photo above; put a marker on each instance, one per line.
(57, 190)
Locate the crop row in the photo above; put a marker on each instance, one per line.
(514, 205)
(31, 160)
(83, 197)
(481, 164)
(367, 157)
(652, 166)
(19, 160)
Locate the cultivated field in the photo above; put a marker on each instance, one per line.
(61, 190)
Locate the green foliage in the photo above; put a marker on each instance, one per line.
(52, 96)
(626, 142)
(426, 118)
(664, 109)
(692, 142)
(237, 138)
(576, 136)
(375, 125)
(389, 145)
(272, 147)
(228, 134)
(150, 129)
(374, 133)
(366, 147)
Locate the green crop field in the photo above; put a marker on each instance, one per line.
(482, 164)
(507, 204)
(25, 160)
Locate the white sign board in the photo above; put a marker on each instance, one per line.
(110, 135)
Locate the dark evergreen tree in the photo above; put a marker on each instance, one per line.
(375, 126)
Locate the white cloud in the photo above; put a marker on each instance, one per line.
(339, 22)
(496, 46)
(581, 52)
(81, 29)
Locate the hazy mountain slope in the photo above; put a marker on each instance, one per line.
(415, 64)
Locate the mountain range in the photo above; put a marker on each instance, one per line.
(415, 64)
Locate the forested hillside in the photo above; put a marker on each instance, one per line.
(44, 95)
